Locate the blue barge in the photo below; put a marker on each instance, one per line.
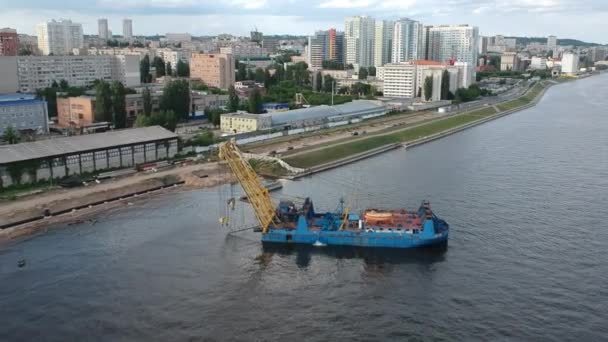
(373, 228)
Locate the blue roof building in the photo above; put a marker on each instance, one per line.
(23, 112)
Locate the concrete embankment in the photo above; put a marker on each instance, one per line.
(420, 141)
(457, 129)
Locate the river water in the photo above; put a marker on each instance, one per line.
(525, 196)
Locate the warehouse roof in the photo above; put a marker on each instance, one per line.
(347, 109)
(82, 143)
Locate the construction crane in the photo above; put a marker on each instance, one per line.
(257, 194)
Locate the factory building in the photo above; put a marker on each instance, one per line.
(60, 157)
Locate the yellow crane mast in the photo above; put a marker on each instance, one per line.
(257, 194)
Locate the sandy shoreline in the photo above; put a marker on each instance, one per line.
(196, 176)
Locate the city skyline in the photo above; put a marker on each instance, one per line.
(511, 18)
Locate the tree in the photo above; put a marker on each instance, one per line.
(250, 74)
(166, 119)
(103, 102)
(63, 85)
(319, 82)
(183, 69)
(260, 75)
(144, 69)
(169, 69)
(147, 99)
(328, 82)
(119, 105)
(233, 100)
(176, 98)
(445, 85)
(50, 96)
(428, 88)
(159, 66)
(241, 73)
(362, 73)
(214, 116)
(255, 102)
(419, 95)
(10, 135)
(371, 71)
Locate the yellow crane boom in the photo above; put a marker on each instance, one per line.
(257, 194)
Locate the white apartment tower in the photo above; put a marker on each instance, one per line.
(59, 37)
(359, 37)
(570, 63)
(383, 47)
(102, 29)
(407, 41)
(127, 29)
(400, 80)
(452, 42)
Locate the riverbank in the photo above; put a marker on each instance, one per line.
(33, 213)
(336, 155)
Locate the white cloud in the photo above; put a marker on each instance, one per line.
(249, 4)
(346, 4)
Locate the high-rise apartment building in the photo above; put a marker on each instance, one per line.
(552, 44)
(9, 42)
(570, 62)
(127, 29)
(451, 43)
(407, 41)
(30, 73)
(215, 70)
(102, 29)
(59, 37)
(359, 37)
(325, 46)
(383, 45)
(400, 80)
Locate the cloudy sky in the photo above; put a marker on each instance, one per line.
(579, 19)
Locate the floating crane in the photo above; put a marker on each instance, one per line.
(288, 223)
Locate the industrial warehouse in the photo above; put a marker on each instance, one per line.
(56, 158)
(319, 116)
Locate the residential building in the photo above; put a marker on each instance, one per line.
(59, 37)
(325, 46)
(466, 74)
(24, 113)
(9, 42)
(29, 73)
(483, 45)
(400, 80)
(407, 41)
(435, 70)
(597, 53)
(271, 44)
(178, 37)
(538, 63)
(173, 55)
(127, 29)
(102, 29)
(359, 37)
(552, 44)
(570, 62)
(215, 70)
(74, 155)
(452, 43)
(244, 50)
(383, 48)
(509, 61)
(336, 74)
(29, 43)
(243, 122)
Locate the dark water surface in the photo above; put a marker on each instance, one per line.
(526, 197)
